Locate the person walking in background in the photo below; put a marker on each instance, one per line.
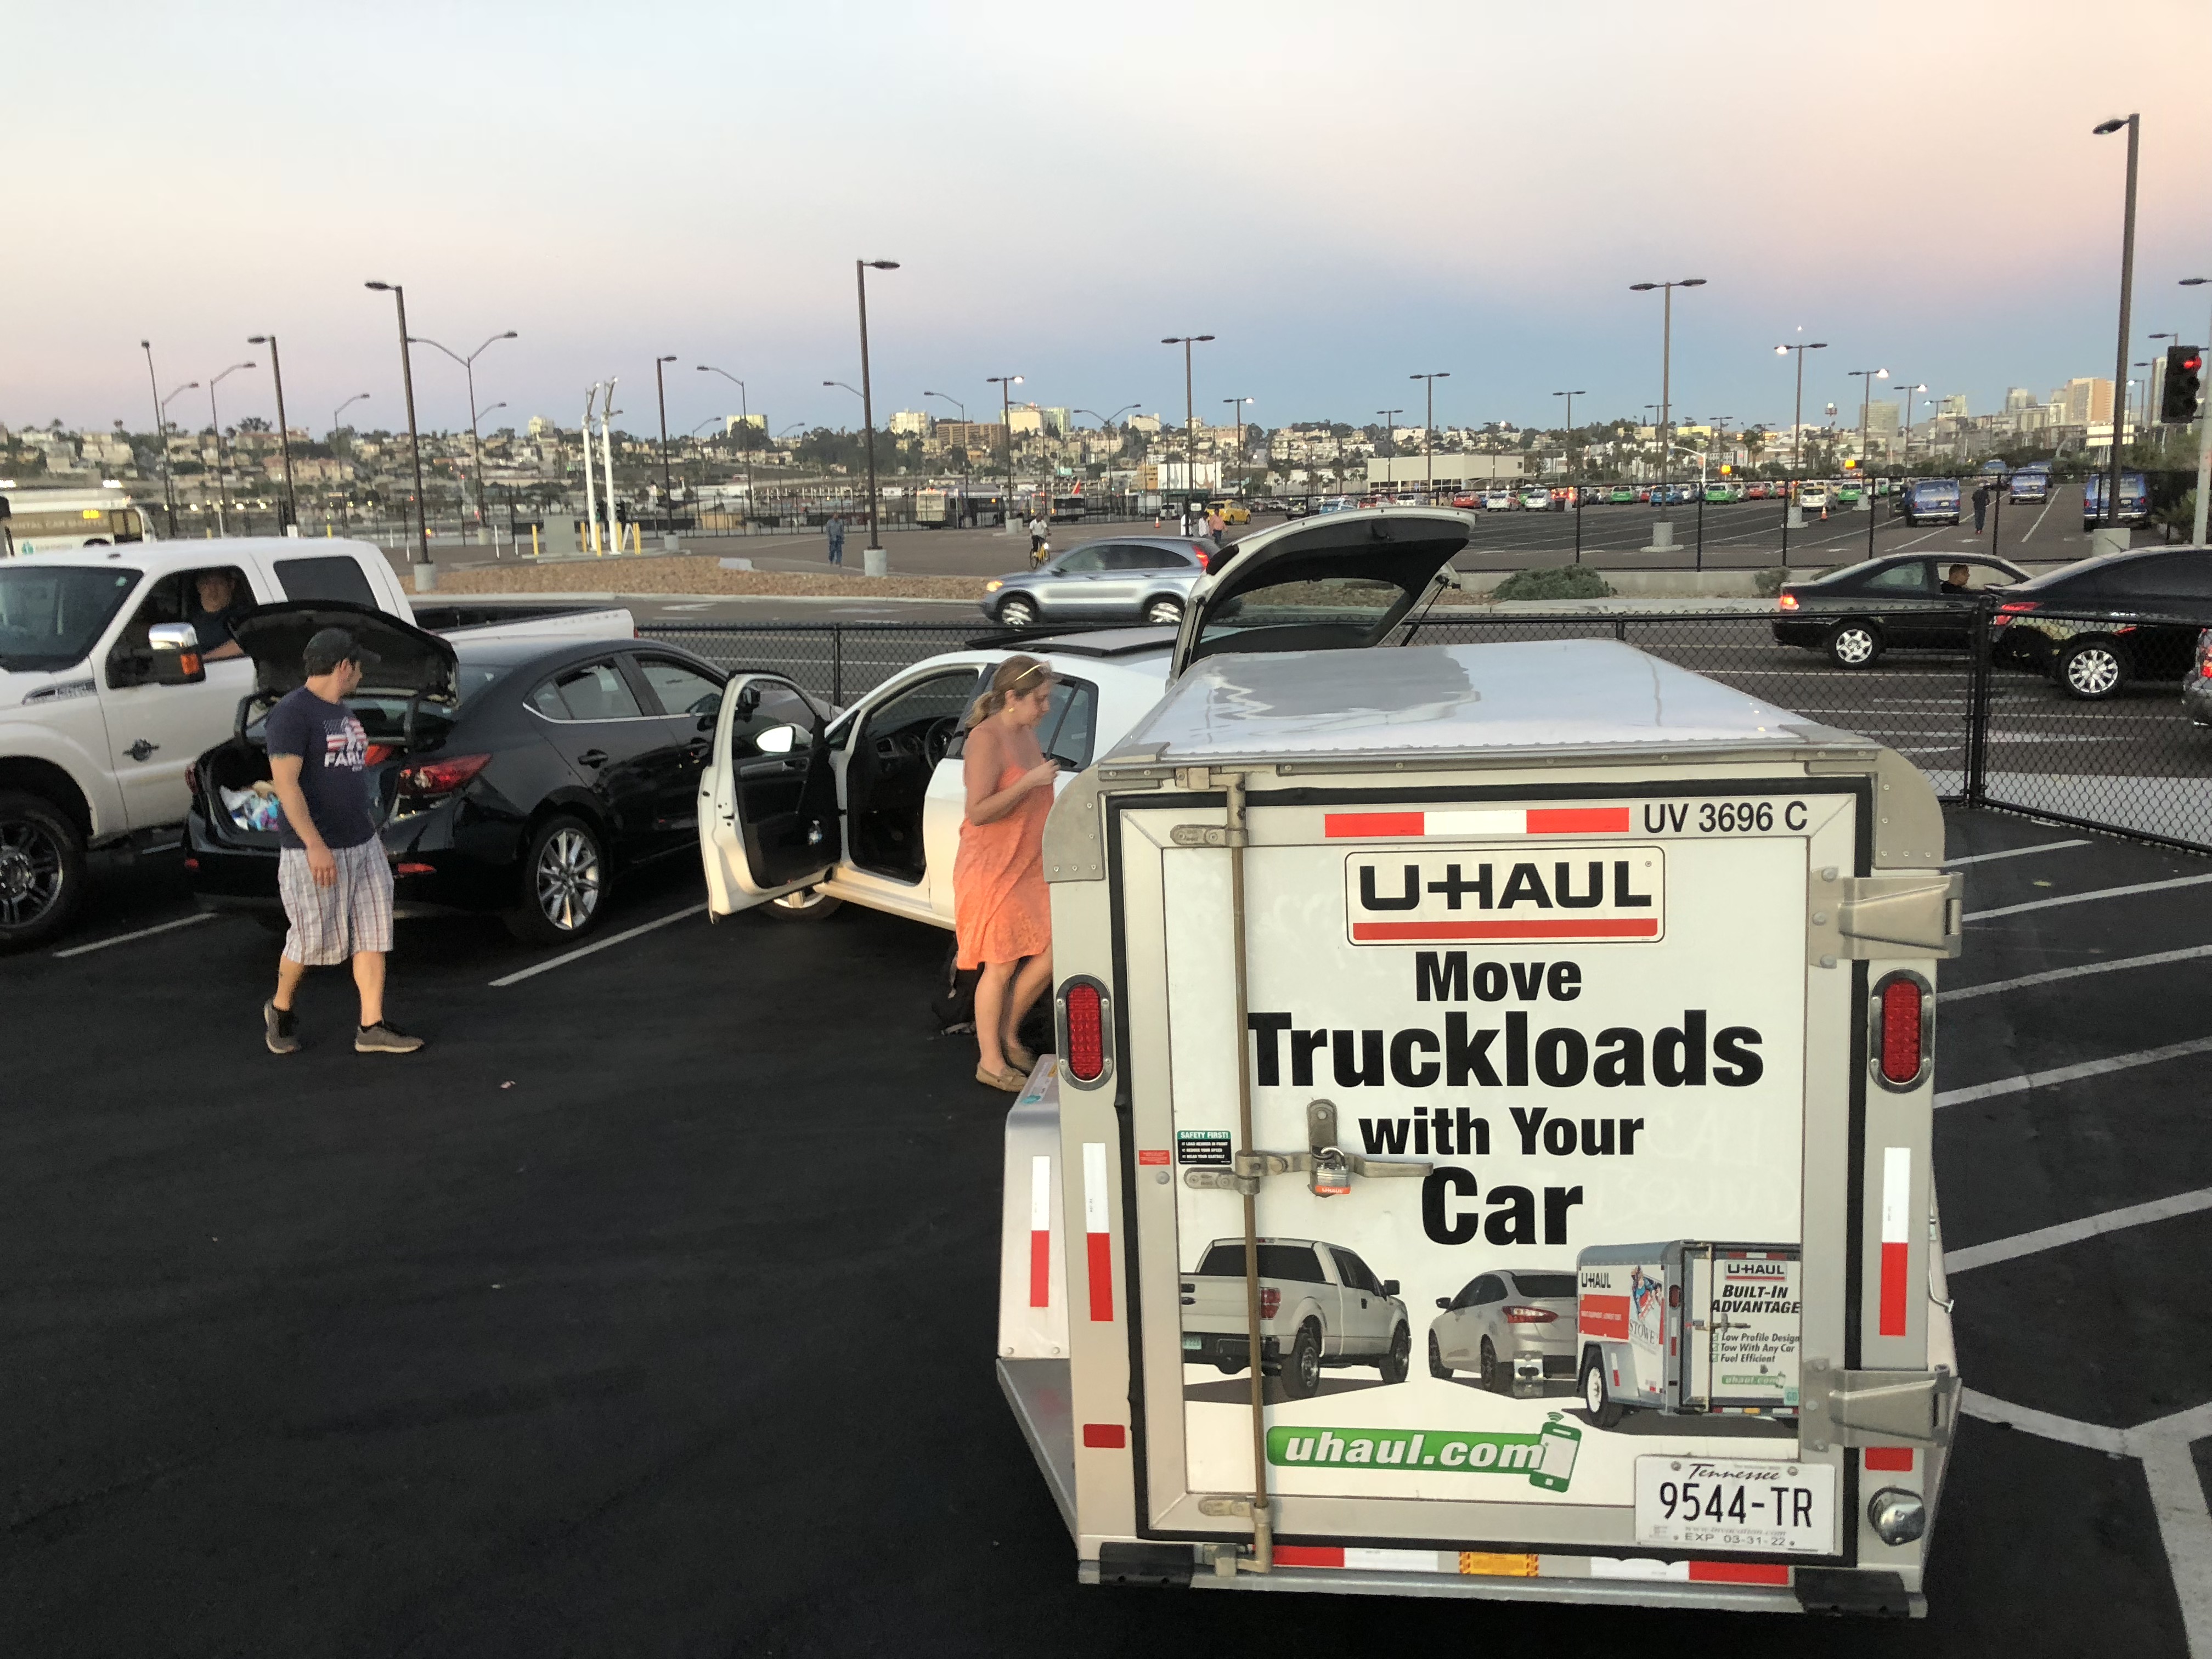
(1001, 910)
(1981, 504)
(332, 873)
(1215, 524)
(836, 532)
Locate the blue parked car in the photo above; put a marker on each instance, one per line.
(2134, 498)
(2030, 483)
(1926, 501)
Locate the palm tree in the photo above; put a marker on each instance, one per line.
(1754, 445)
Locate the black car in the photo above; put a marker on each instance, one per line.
(2097, 625)
(1910, 600)
(517, 777)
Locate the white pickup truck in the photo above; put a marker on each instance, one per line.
(93, 745)
(1320, 1305)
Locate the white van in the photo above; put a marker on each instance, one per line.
(1472, 957)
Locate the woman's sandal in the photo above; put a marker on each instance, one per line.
(1012, 1082)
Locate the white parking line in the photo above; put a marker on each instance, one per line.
(2084, 898)
(126, 938)
(2013, 853)
(599, 945)
(2177, 1495)
(2073, 1232)
(2195, 953)
(2012, 1085)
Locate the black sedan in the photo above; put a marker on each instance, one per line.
(519, 777)
(2098, 625)
(1908, 600)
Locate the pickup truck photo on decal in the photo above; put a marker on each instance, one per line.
(1321, 1307)
(1427, 895)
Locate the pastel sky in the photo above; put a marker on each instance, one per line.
(1342, 194)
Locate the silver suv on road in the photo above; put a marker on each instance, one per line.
(1114, 579)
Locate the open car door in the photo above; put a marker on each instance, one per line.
(767, 799)
(1337, 581)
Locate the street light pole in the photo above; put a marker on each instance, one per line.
(189, 386)
(1570, 397)
(1236, 415)
(160, 437)
(1006, 383)
(469, 370)
(424, 576)
(2203, 439)
(1663, 538)
(1190, 417)
(221, 476)
(1866, 377)
(873, 560)
(744, 425)
(667, 485)
(1797, 420)
(283, 432)
(1429, 434)
(2133, 125)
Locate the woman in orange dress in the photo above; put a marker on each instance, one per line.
(1000, 905)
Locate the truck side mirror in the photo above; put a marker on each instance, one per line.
(176, 648)
(1390, 1287)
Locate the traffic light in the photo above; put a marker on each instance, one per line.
(2184, 369)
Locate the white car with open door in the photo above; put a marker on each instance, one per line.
(798, 814)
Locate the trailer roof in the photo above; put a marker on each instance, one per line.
(1532, 695)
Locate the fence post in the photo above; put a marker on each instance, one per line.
(1697, 561)
(1978, 708)
(837, 663)
(1580, 491)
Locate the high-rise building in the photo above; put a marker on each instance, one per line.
(1026, 420)
(732, 422)
(1953, 402)
(911, 423)
(1881, 420)
(2085, 401)
(2018, 398)
(1057, 421)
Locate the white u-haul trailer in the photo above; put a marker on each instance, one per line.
(1476, 963)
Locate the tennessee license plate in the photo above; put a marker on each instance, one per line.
(1736, 1503)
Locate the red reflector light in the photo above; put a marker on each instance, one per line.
(2017, 606)
(1530, 1315)
(191, 863)
(1199, 553)
(427, 778)
(416, 870)
(1111, 1436)
(1901, 1001)
(1087, 1032)
(378, 753)
(1271, 1301)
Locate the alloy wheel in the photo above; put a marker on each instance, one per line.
(1017, 613)
(1164, 610)
(2092, 672)
(31, 873)
(1854, 647)
(568, 880)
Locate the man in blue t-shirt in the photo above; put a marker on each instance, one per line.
(332, 870)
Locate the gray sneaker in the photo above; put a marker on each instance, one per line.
(384, 1038)
(280, 1028)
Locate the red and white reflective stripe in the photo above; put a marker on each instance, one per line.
(1480, 821)
(1359, 1560)
(1097, 1232)
(1896, 1235)
(1689, 1572)
(1041, 1231)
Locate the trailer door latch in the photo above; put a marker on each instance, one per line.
(1854, 917)
(1858, 1408)
(1329, 1167)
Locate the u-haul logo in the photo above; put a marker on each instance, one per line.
(1563, 895)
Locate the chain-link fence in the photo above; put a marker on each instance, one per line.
(2068, 716)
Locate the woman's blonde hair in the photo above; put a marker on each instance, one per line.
(1015, 677)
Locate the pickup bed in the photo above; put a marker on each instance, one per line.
(1320, 1305)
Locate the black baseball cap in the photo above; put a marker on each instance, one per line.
(333, 646)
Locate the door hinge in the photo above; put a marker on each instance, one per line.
(1858, 1408)
(1327, 1165)
(1853, 917)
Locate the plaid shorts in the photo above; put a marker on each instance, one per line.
(354, 914)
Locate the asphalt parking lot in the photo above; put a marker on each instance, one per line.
(651, 1309)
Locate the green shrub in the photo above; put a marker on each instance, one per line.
(1768, 583)
(1566, 581)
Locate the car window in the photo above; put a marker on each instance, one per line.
(1070, 725)
(175, 598)
(1541, 1285)
(596, 691)
(1491, 1288)
(50, 615)
(325, 576)
(2172, 575)
(1125, 557)
(681, 688)
(914, 710)
(1294, 1263)
(1082, 562)
(778, 707)
(1910, 577)
(1356, 1273)
(1975, 576)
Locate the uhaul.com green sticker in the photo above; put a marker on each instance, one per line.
(1547, 1457)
